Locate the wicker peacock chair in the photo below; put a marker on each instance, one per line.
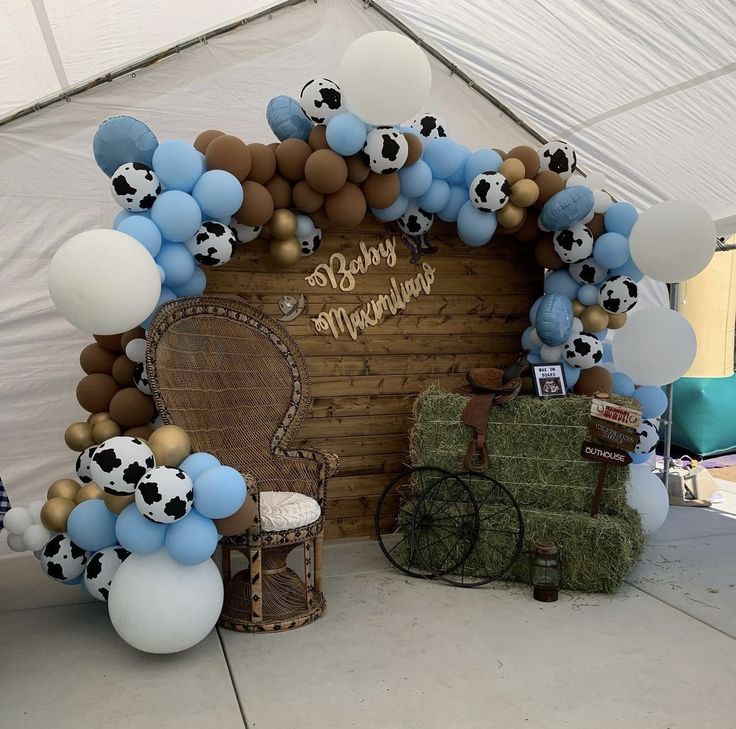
(238, 383)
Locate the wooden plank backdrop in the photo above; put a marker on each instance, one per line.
(364, 389)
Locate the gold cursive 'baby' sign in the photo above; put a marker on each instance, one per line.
(339, 273)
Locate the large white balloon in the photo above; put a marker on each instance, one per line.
(160, 606)
(385, 78)
(673, 241)
(655, 347)
(104, 282)
(646, 493)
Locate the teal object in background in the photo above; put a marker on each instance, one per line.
(704, 417)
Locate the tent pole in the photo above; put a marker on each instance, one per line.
(669, 390)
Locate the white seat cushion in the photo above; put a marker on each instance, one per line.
(282, 510)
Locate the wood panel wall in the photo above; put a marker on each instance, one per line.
(363, 390)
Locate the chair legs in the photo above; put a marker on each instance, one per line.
(256, 585)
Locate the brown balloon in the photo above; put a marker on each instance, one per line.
(95, 359)
(318, 137)
(577, 308)
(346, 207)
(286, 252)
(529, 231)
(87, 492)
(106, 429)
(307, 199)
(549, 184)
(263, 163)
(115, 503)
(509, 216)
(204, 138)
(130, 335)
(140, 431)
(529, 158)
(55, 513)
(65, 488)
(170, 445)
(594, 381)
(381, 190)
(358, 169)
(123, 371)
(320, 219)
(230, 154)
(291, 156)
(512, 169)
(416, 148)
(500, 153)
(595, 225)
(94, 392)
(545, 254)
(616, 321)
(240, 521)
(325, 171)
(78, 436)
(282, 224)
(98, 418)
(524, 193)
(130, 407)
(257, 207)
(280, 191)
(594, 318)
(109, 341)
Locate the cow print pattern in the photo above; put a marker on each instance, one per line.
(84, 462)
(140, 377)
(244, 233)
(583, 350)
(310, 243)
(119, 464)
(428, 126)
(573, 244)
(213, 244)
(587, 271)
(558, 157)
(648, 438)
(618, 295)
(101, 569)
(164, 494)
(61, 559)
(489, 191)
(320, 100)
(135, 187)
(386, 150)
(415, 221)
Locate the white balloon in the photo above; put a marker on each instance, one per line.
(577, 326)
(673, 241)
(646, 493)
(17, 520)
(135, 350)
(34, 509)
(385, 78)
(35, 537)
(160, 606)
(550, 354)
(104, 282)
(601, 201)
(16, 543)
(656, 347)
(536, 341)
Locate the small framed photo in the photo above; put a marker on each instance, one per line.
(549, 380)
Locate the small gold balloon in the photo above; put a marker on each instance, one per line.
(55, 512)
(116, 504)
(524, 193)
(106, 429)
(170, 445)
(87, 492)
(286, 252)
(616, 321)
(509, 216)
(594, 318)
(512, 169)
(282, 224)
(78, 436)
(98, 418)
(66, 488)
(577, 308)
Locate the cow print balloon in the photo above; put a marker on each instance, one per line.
(429, 126)
(386, 149)
(583, 350)
(558, 157)
(587, 271)
(415, 221)
(84, 462)
(648, 437)
(100, 570)
(135, 187)
(320, 100)
(140, 377)
(618, 295)
(573, 244)
(119, 464)
(212, 244)
(245, 233)
(311, 243)
(164, 494)
(62, 559)
(489, 191)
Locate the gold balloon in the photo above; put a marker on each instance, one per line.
(616, 321)
(55, 512)
(524, 193)
(513, 170)
(116, 504)
(509, 216)
(170, 445)
(286, 252)
(106, 429)
(78, 436)
(282, 224)
(594, 318)
(87, 492)
(577, 308)
(98, 418)
(66, 488)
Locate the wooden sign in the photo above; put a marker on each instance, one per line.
(604, 454)
(612, 434)
(615, 413)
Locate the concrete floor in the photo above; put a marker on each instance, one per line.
(395, 653)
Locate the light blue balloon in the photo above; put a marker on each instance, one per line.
(602, 334)
(588, 295)
(138, 534)
(345, 134)
(166, 295)
(458, 198)
(177, 215)
(218, 194)
(91, 525)
(534, 358)
(219, 492)
(629, 269)
(393, 211)
(177, 262)
(436, 198)
(553, 320)
(653, 401)
(122, 139)
(415, 179)
(611, 250)
(125, 214)
(458, 176)
(177, 165)
(144, 230)
(620, 218)
(484, 160)
(161, 273)
(444, 156)
(474, 227)
(566, 208)
(638, 458)
(286, 119)
(535, 308)
(561, 282)
(196, 464)
(192, 539)
(527, 343)
(606, 349)
(622, 384)
(572, 374)
(74, 580)
(304, 225)
(193, 286)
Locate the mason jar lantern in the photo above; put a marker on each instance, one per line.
(545, 570)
